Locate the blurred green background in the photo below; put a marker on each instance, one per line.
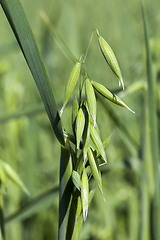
(27, 141)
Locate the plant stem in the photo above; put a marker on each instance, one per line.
(155, 208)
(2, 226)
(65, 191)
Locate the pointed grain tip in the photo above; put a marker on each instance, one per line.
(97, 32)
(94, 123)
(105, 158)
(61, 111)
(131, 110)
(102, 194)
(85, 215)
(121, 83)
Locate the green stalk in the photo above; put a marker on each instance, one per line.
(144, 210)
(155, 205)
(147, 178)
(57, 37)
(2, 226)
(65, 191)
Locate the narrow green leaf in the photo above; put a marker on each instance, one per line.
(91, 195)
(58, 39)
(2, 174)
(2, 225)
(23, 33)
(69, 137)
(15, 178)
(97, 141)
(107, 141)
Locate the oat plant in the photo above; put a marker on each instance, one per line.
(82, 150)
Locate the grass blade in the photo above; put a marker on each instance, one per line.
(2, 218)
(155, 204)
(146, 187)
(23, 33)
(65, 191)
(58, 39)
(33, 206)
(9, 172)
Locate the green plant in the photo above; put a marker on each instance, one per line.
(83, 123)
(82, 152)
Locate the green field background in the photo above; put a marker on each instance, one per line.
(27, 141)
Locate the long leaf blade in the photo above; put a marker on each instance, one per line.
(23, 33)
